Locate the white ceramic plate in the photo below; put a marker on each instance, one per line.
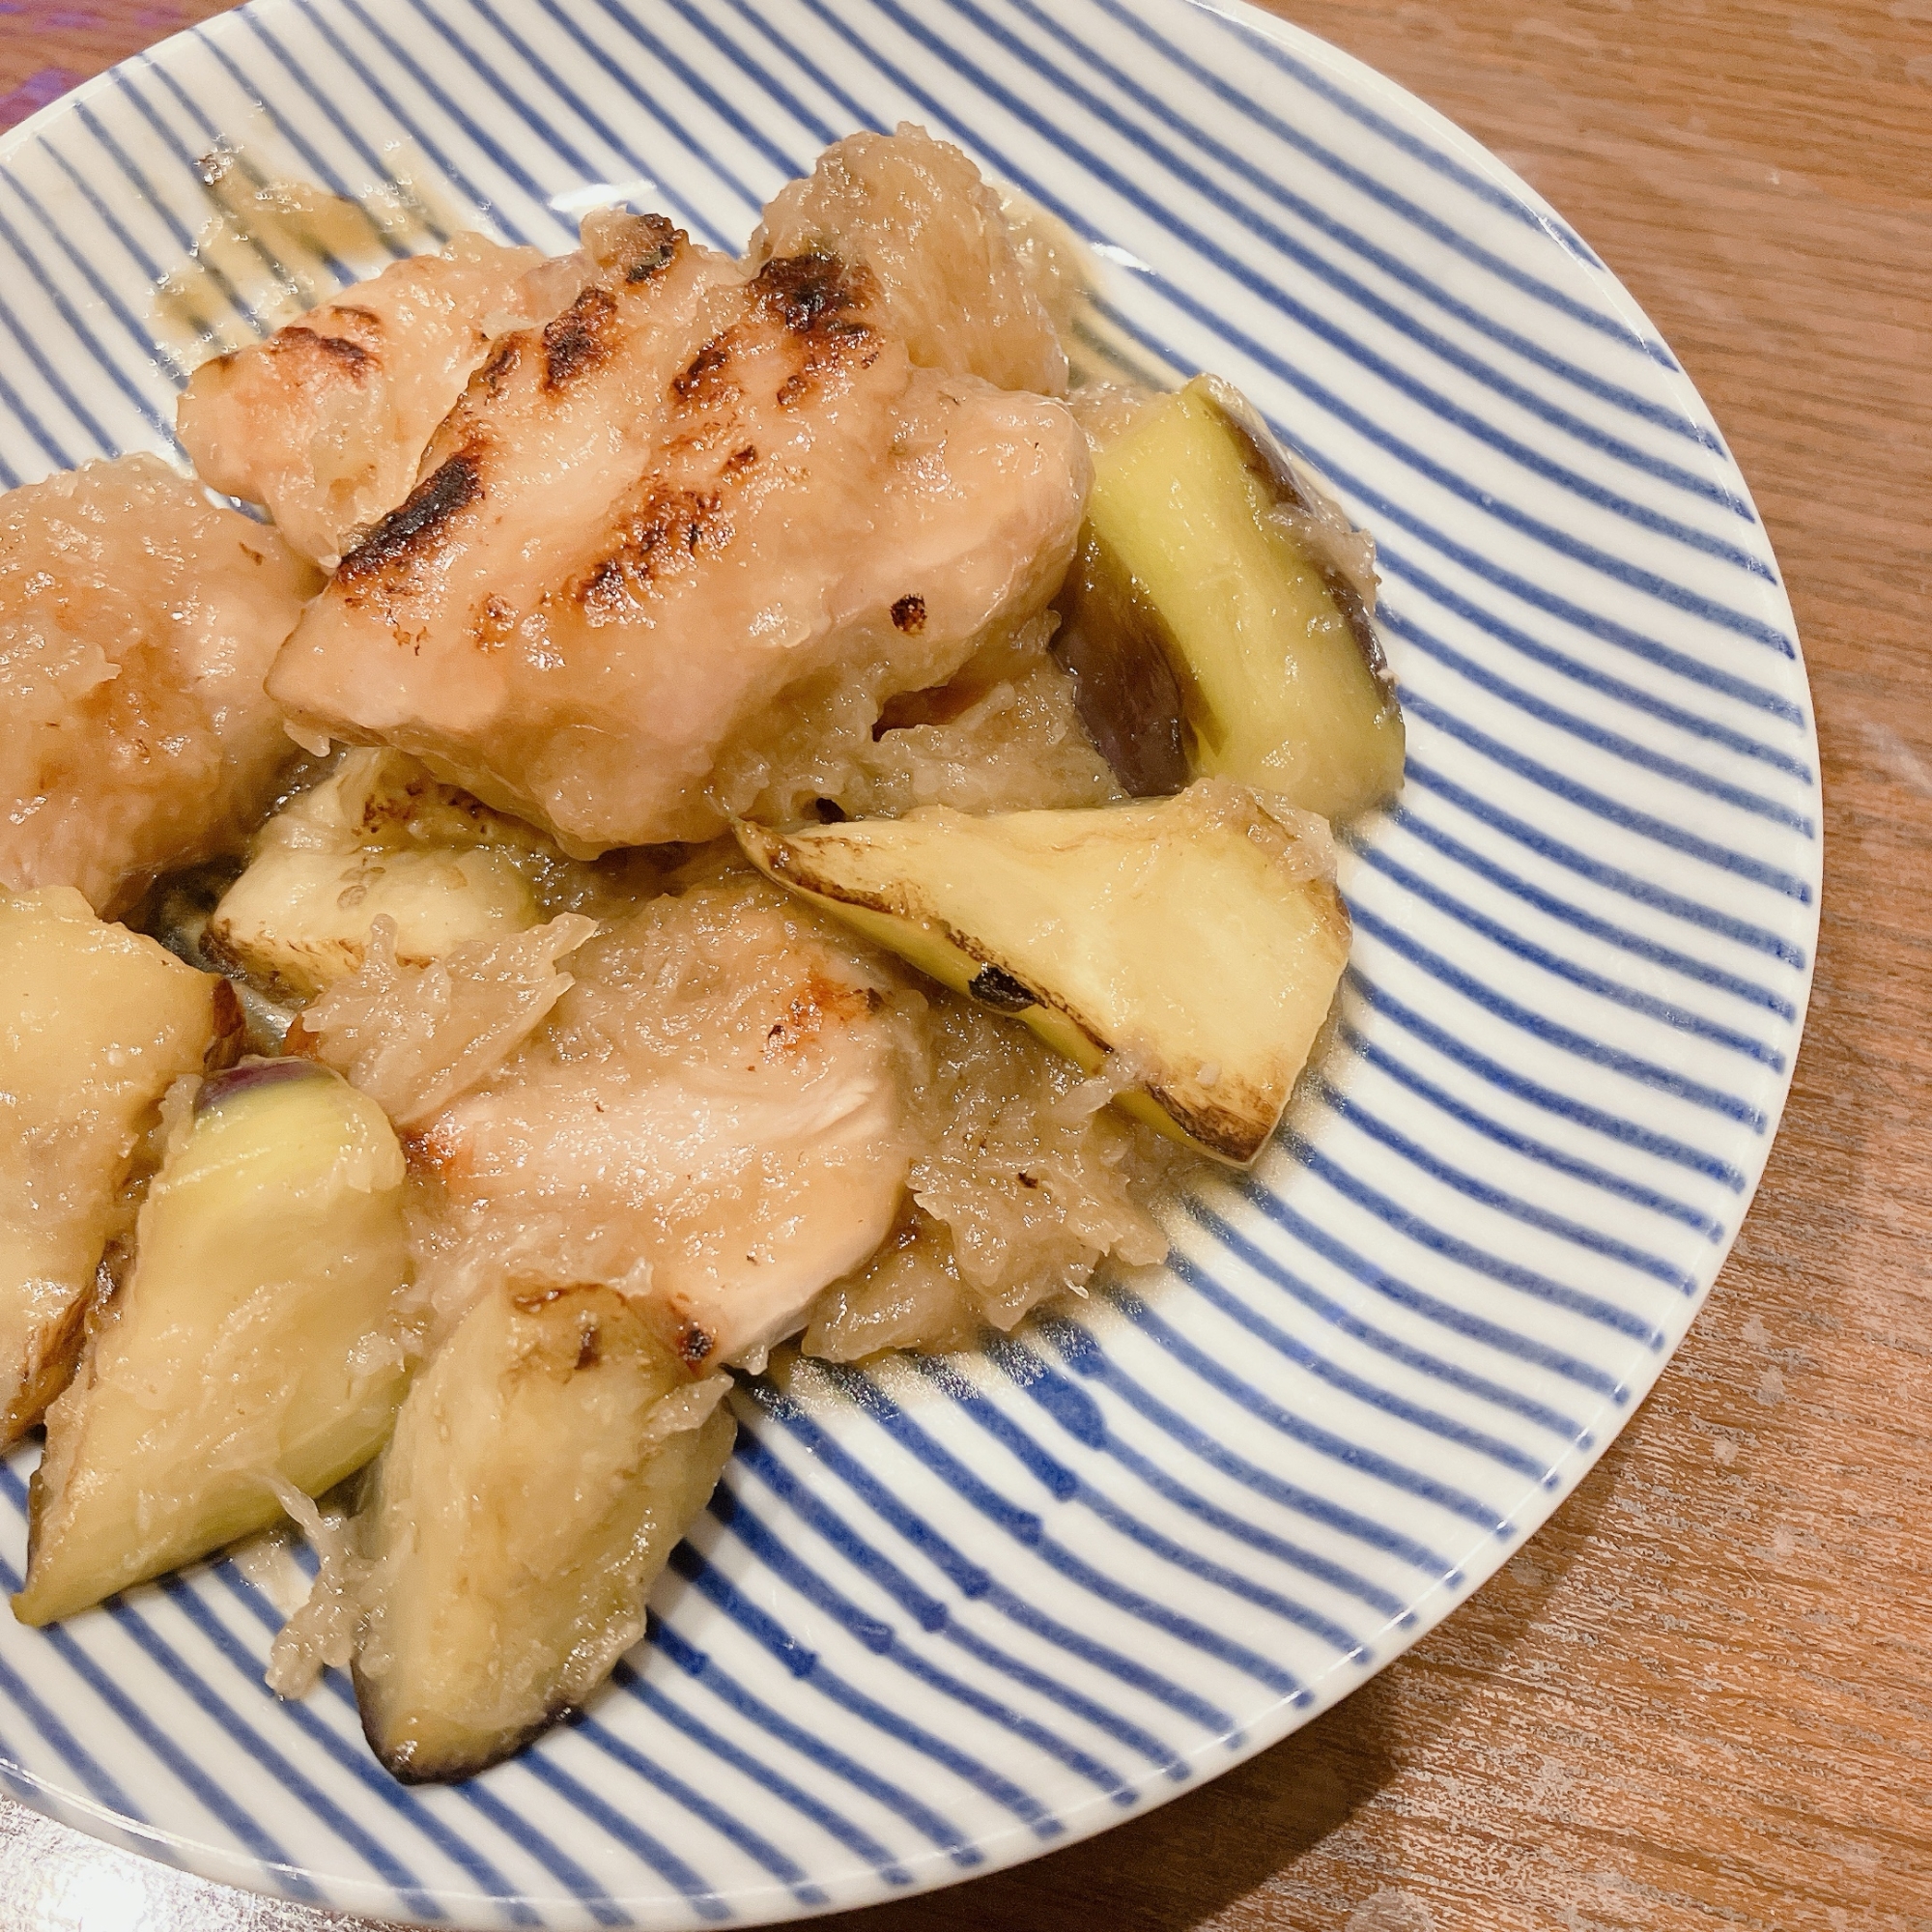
(946, 1615)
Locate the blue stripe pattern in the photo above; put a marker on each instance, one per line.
(942, 1614)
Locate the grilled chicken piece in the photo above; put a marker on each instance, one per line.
(657, 528)
(916, 215)
(136, 622)
(722, 1096)
(325, 421)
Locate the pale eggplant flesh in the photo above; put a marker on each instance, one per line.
(259, 1343)
(1191, 945)
(95, 1024)
(378, 837)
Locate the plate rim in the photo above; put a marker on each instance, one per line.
(1207, 1758)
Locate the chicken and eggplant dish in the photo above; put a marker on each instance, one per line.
(706, 805)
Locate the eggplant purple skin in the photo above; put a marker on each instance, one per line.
(1268, 464)
(1115, 646)
(407, 1765)
(252, 1075)
(178, 913)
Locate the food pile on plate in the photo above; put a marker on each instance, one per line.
(726, 808)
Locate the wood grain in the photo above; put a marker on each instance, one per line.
(1702, 1697)
(47, 46)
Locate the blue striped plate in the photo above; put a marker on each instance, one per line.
(946, 1615)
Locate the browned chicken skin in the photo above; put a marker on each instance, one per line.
(325, 422)
(650, 529)
(916, 215)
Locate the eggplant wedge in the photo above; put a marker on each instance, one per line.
(258, 1340)
(1216, 619)
(95, 1024)
(548, 1460)
(297, 922)
(1194, 943)
(380, 838)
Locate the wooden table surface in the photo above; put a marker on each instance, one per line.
(1701, 1697)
